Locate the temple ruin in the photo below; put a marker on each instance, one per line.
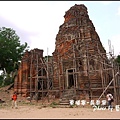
(79, 63)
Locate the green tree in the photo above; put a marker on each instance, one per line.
(118, 60)
(11, 50)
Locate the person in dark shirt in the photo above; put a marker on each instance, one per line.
(109, 97)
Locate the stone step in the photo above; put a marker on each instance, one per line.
(66, 96)
(62, 103)
(65, 100)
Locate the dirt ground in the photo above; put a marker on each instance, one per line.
(46, 110)
(28, 112)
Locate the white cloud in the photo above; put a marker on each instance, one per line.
(105, 2)
(115, 44)
(118, 13)
(37, 22)
(40, 19)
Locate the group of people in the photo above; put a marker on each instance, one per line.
(109, 97)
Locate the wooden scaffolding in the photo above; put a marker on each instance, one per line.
(41, 73)
(108, 69)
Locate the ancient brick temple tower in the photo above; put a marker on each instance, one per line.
(78, 53)
(27, 80)
(79, 62)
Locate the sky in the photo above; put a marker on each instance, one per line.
(37, 22)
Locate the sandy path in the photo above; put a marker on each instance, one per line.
(37, 112)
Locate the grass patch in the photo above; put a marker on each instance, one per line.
(53, 104)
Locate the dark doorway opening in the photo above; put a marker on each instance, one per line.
(70, 78)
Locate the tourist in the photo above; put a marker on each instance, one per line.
(109, 99)
(14, 100)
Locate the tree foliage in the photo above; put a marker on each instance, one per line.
(11, 51)
(118, 60)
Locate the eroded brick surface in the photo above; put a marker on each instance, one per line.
(77, 59)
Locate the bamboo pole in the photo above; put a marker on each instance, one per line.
(42, 83)
(63, 73)
(58, 69)
(52, 67)
(101, 68)
(74, 66)
(101, 73)
(115, 95)
(21, 78)
(31, 76)
(87, 58)
(37, 78)
(119, 86)
(47, 76)
(108, 86)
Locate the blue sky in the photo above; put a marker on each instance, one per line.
(37, 22)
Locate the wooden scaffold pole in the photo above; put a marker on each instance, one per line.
(108, 86)
(47, 76)
(36, 79)
(31, 75)
(88, 70)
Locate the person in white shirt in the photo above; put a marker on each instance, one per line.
(110, 99)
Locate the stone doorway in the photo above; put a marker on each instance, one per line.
(70, 78)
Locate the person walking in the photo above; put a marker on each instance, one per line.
(14, 100)
(109, 97)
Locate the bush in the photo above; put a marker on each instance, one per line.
(7, 81)
(1, 80)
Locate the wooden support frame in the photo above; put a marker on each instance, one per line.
(45, 65)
